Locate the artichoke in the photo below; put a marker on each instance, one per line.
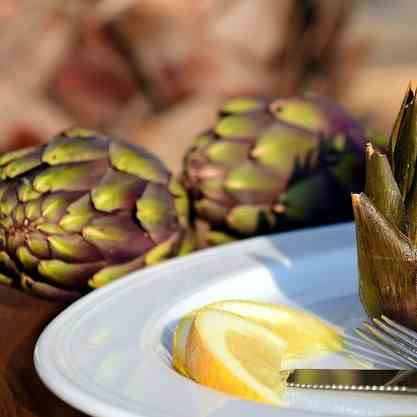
(84, 210)
(386, 223)
(272, 165)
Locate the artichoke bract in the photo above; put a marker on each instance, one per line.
(82, 211)
(386, 223)
(270, 165)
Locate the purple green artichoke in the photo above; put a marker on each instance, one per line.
(84, 210)
(273, 165)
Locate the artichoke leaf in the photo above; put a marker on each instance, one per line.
(25, 191)
(70, 177)
(68, 275)
(4, 186)
(5, 280)
(156, 211)
(207, 208)
(203, 140)
(73, 248)
(8, 201)
(28, 260)
(405, 152)
(13, 155)
(6, 222)
(79, 214)
(306, 198)
(44, 290)
(408, 96)
(138, 162)
(74, 149)
(2, 238)
(113, 272)
(250, 176)
(164, 250)
(242, 105)
(118, 236)
(249, 219)
(50, 229)
(411, 204)
(82, 205)
(8, 263)
(14, 240)
(382, 189)
(239, 126)
(19, 214)
(182, 208)
(54, 206)
(215, 238)
(76, 222)
(38, 245)
(176, 188)
(387, 263)
(188, 243)
(228, 153)
(300, 113)
(33, 209)
(117, 190)
(281, 146)
(22, 165)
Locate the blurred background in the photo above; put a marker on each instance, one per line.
(155, 71)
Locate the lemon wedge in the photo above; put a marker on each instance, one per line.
(305, 334)
(234, 355)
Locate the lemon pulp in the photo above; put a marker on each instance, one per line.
(260, 358)
(229, 353)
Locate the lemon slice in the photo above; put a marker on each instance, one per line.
(180, 343)
(305, 334)
(238, 356)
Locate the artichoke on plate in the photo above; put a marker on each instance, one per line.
(84, 210)
(386, 223)
(271, 165)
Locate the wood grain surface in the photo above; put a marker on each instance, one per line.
(22, 394)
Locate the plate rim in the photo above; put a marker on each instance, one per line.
(73, 394)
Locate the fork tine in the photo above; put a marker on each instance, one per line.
(401, 328)
(397, 355)
(392, 331)
(391, 341)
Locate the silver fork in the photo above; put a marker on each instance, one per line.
(392, 338)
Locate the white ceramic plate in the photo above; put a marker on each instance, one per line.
(109, 353)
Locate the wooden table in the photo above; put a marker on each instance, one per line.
(22, 393)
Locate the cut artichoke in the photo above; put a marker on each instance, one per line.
(386, 223)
